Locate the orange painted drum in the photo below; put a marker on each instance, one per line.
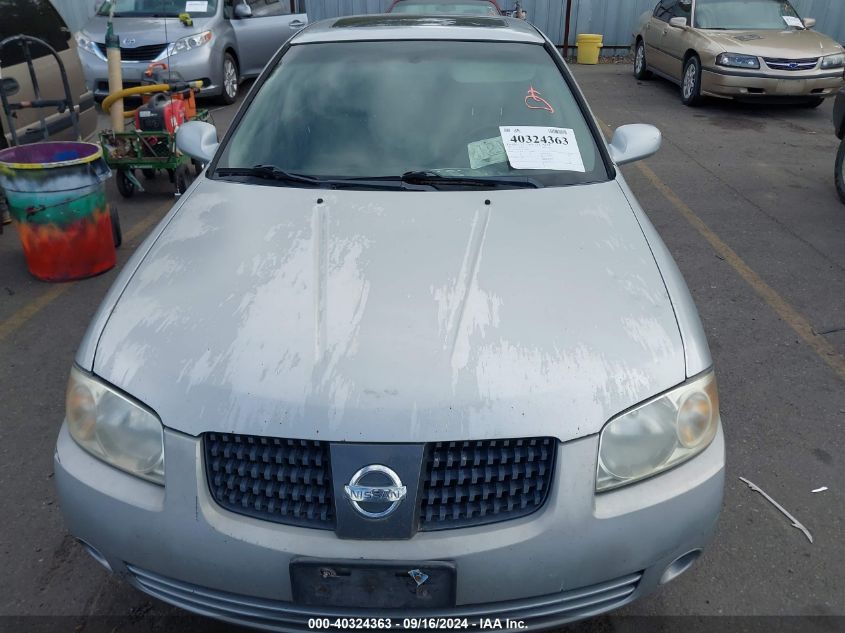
(57, 199)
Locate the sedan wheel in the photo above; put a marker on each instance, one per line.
(691, 84)
(840, 172)
(230, 80)
(640, 67)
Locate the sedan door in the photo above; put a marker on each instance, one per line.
(654, 35)
(271, 24)
(675, 41)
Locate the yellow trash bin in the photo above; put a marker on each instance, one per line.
(589, 45)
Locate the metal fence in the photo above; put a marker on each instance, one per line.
(615, 19)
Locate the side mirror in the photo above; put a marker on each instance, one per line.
(680, 23)
(242, 11)
(198, 140)
(630, 143)
(9, 86)
(809, 23)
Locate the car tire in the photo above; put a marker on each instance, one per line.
(230, 80)
(691, 82)
(815, 102)
(125, 186)
(840, 172)
(641, 70)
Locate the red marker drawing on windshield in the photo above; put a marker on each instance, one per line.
(535, 102)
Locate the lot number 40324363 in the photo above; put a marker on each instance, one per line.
(533, 138)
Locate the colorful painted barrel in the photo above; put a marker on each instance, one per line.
(57, 198)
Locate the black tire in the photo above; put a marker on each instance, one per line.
(116, 231)
(149, 174)
(229, 90)
(815, 102)
(691, 94)
(125, 186)
(840, 172)
(198, 166)
(641, 70)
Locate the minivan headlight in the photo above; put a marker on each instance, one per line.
(84, 42)
(658, 434)
(735, 60)
(114, 428)
(189, 43)
(834, 61)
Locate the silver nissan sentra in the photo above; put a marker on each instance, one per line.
(408, 348)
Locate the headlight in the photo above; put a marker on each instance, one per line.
(86, 43)
(114, 428)
(658, 434)
(735, 60)
(834, 61)
(189, 43)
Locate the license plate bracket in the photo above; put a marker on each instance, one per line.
(373, 585)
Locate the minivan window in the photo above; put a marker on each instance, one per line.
(381, 109)
(37, 18)
(159, 8)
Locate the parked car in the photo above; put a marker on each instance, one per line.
(39, 18)
(435, 7)
(445, 355)
(839, 126)
(228, 40)
(740, 49)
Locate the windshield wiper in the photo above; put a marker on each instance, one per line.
(434, 179)
(270, 172)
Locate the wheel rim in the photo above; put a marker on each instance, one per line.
(640, 59)
(230, 79)
(689, 81)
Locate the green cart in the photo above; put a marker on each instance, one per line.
(149, 152)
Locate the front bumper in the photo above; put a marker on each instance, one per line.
(199, 64)
(734, 83)
(580, 555)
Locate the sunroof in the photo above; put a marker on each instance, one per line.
(416, 20)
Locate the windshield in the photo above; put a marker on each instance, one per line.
(745, 14)
(159, 8)
(379, 109)
(435, 8)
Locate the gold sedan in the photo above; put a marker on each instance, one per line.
(740, 49)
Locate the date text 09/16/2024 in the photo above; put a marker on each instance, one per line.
(481, 624)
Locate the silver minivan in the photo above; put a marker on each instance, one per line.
(220, 42)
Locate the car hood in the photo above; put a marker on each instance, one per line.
(394, 316)
(791, 44)
(145, 31)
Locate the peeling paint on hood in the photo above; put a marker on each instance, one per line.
(395, 316)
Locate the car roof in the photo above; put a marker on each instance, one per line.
(392, 26)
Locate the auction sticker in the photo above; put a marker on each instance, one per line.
(791, 20)
(538, 147)
(195, 5)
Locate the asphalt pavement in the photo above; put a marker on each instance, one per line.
(742, 195)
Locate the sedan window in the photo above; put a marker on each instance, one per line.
(426, 110)
(743, 14)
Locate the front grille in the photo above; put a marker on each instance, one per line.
(138, 53)
(777, 63)
(463, 483)
(542, 612)
(472, 483)
(285, 481)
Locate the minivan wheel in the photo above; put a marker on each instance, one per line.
(229, 92)
(840, 171)
(641, 70)
(691, 82)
